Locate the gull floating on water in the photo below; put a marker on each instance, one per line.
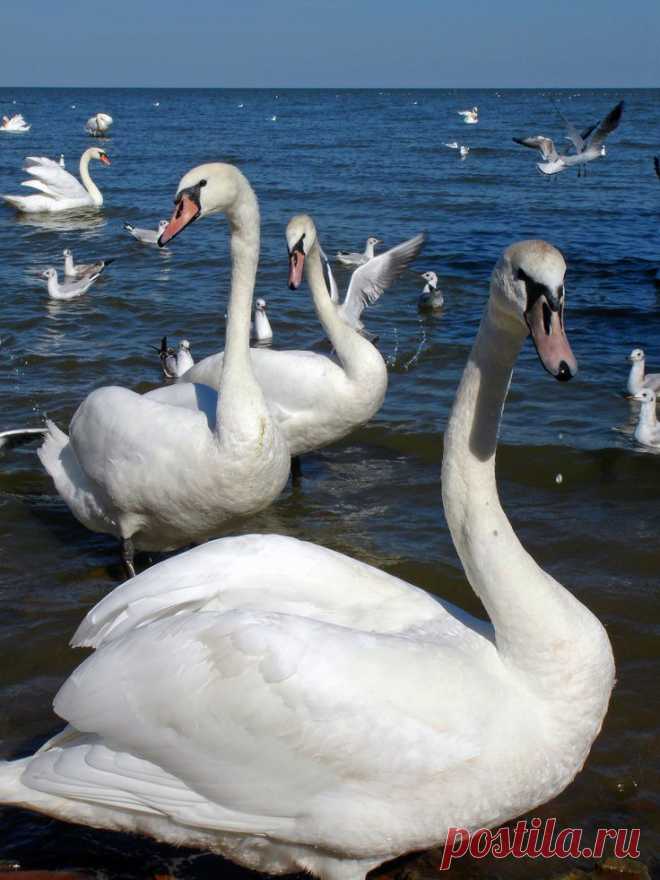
(637, 379)
(69, 289)
(587, 149)
(175, 363)
(260, 330)
(355, 259)
(147, 236)
(647, 431)
(82, 270)
(431, 297)
(470, 117)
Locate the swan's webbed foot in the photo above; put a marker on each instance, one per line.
(127, 552)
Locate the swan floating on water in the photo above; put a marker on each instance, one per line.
(355, 259)
(431, 297)
(295, 709)
(98, 125)
(59, 190)
(82, 270)
(157, 477)
(68, 289)
(647, 431)
(147, 236)
(15, 124)
(316, 400)
(260, 329)
(471, 117)
(637, 379)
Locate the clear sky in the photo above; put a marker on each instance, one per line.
(335, 43)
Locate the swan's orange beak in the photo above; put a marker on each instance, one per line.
(296, 266)
(186, 211)
(105, 159)
(547, 328)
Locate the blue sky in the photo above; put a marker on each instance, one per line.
(335, 43)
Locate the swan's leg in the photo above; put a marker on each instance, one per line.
(127, 554)
(296, 470)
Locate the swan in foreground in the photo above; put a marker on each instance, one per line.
(98, 125)
(157, 477)
(175, 363)
(59, 190)
(68, 289)
(471, 117)
(431, 297)
(637, 379)
(295, 709)
(316, 400)
(647, 431)
(82, 270)
(147, 236)
(15, 124)
(586, 150)
(260, 329)
(355, 259)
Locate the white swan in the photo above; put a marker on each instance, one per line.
(82, 270)
(471, 117)
(297, 710)
(59, 190)
(355, 259)
(15, 124)
(156, 476)
(647, 431)
(431, 297)
(316, 400)
(69, 289)
(637, 379)
(98, 125)
(260, 329)
(147, 236)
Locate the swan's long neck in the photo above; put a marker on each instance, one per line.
(240, 394)
(542, 632)
(354, 351)
(87, 181)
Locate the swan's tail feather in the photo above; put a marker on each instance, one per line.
(50, 449)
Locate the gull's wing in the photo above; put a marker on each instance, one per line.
(607, 126)
(571, 132)
(369, 281)
(538, 142)
(59, 183)
(656, 163)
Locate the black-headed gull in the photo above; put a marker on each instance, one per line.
(69, 289)
(587, 149)
(431, 297)
(355, 259)
(647, 431)
(175, 363)
(637, 378)
(146, 236)
(82, 270)
(260, 330)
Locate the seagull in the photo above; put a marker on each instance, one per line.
(67, 290)
(260, 330)
(587, 150)
(175, 363)
(647, 431)
(82, 270)
(431, 297)
(146, 236)
(638, 378)
(355, 259)
(470, 117)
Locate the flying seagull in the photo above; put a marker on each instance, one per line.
(589, 148)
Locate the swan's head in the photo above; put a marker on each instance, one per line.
(300, 239)
(646, 395)
(101, 155)
(528, 286)
(184, 345)
(636, 355)
(431, 278)
(206, 189)
(260, 304)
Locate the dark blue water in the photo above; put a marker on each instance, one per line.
(362, 163)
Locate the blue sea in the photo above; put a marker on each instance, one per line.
(581, 495)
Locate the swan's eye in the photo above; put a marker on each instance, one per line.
(202, 183)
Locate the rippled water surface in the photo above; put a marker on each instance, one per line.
(361, 162)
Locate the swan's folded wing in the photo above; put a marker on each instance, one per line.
(271, 573)
(370, 280)
(274, 713)
(57, 179)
